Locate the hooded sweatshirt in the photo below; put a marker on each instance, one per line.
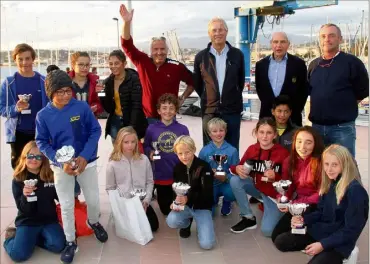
(166, 137)
(73, 125)
(225, 149)
(277, 154)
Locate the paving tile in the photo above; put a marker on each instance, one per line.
(213, 256)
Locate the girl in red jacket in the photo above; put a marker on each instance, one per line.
(267, 158)
(303, 169)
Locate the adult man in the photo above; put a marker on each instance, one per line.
(281, 73)
(158, 74)
(338, 82)
(20, 123)
(219, 81)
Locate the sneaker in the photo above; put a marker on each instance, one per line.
(69, 252)
(253, 200)
(10, 232)
(244, 224)
(226, 208)
(99, 231)
(185, 232)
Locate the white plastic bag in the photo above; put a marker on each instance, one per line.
(130, 219)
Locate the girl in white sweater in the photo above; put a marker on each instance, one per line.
(128, 170)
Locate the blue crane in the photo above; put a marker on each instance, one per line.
(250, 17)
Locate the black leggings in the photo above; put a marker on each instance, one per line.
(290, 242)
(152, 218)
(21, 139)
(164, 197)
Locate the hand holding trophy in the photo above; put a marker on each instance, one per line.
(66, 155)
(25, 98)
(269, 165)
(281, 187)
(297, 210)
(181, 189)
(31, 184)
(220, 159)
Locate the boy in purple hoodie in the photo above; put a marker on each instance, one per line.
(164, 133)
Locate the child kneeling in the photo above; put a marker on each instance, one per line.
(199, 200)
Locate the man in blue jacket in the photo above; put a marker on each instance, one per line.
(20, 124)
(68, 122)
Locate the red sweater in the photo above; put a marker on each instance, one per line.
(277, 154)
(156, 81)
(306, 193)
(93, 98)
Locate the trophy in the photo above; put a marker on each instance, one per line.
(298, 209)
(269, 164)
(84, 97)
(220, 159)
(141, 193)
(25, 98)
(181, 189)
(281, 187)
(101, 83)
(156, 155)
(66, 155)
(248, 165)
(78, 96)
(32, 196)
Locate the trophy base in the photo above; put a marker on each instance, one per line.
(156, 157)
(177, 207)
(31, 198)
(220, 173)
(101, 94)
(26, 112)
(282, 205)
(299, 231)
(264, 179)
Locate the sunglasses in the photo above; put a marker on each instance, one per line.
(32, 156)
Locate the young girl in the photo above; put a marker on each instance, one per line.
(127, 170)
(303, 169)
(37, 221)
(341, 215)
(199, 200)
(259, 181)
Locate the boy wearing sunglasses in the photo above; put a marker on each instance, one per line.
(66, 121)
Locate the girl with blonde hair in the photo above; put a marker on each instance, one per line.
(341, 215)
(128, 170)
(36, 222)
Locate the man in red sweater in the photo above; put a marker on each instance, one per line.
(158, 74)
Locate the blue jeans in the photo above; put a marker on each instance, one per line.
(224, 190)
(115, 125)
(271, 214)
(50, 237)
(233, 122)
(343, 134)
(203, 220)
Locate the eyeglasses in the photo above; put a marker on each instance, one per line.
(62, 92)
(32, 156)
(81, 65)
(326, 65)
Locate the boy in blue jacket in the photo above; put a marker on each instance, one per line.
(63, 122)
(221, 187)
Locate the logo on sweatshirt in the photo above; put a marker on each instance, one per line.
(74, 118)
(48, 184)
(166, 141)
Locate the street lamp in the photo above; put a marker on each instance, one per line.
(116, 19)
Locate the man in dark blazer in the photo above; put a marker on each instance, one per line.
(281, 73)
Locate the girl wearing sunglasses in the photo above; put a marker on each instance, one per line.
(36, 222)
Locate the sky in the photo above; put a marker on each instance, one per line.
(89, 24)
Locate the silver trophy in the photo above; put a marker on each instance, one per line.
(281, 187)
(220, 159)
(156, 155)
(101, 83)
(25, 98)
(32, 196)
(141, 193)
(84, 97)
(181, 189)
(66, 155)
(269, 164)
(298, 209)
(78, 96)
(248, 165)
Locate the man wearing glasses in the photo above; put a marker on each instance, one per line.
(158, 74)
(281, 74)
(338, 82)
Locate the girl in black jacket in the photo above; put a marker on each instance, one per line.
(199, 200)
(123, 98)
(37, 221)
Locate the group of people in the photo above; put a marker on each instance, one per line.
(142, 107)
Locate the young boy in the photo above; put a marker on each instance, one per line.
(164, 132)
(66, 121)
(282, 110)
(216, 129)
